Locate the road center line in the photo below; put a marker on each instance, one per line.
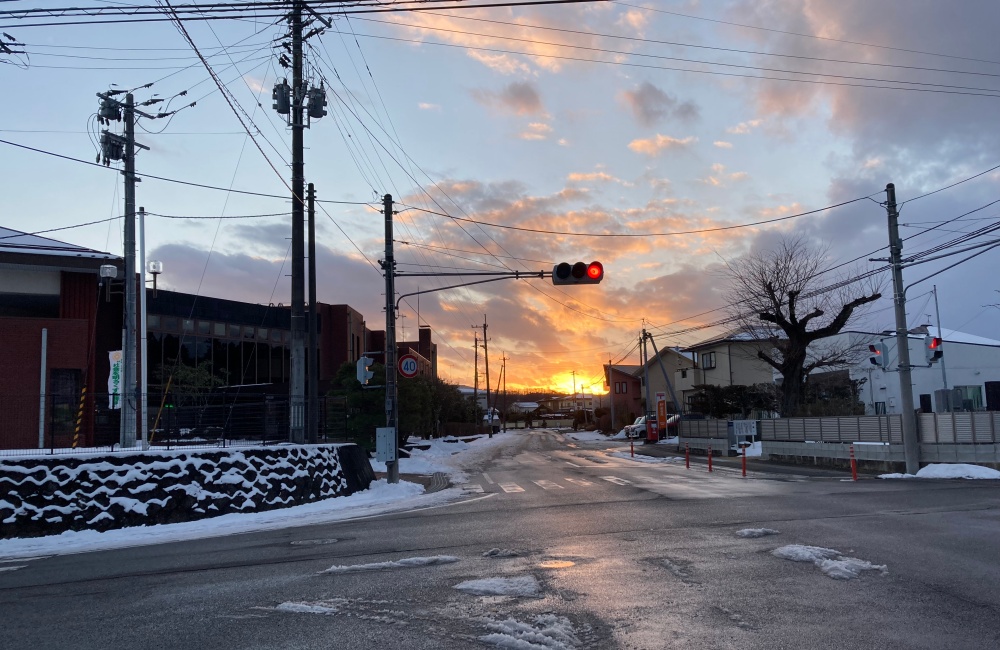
(487, 477)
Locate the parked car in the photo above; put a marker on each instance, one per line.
(639, 426)
(630, 428)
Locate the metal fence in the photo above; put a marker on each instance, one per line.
(975, 427)
(862, 428)
(704, 428)
(87, 423)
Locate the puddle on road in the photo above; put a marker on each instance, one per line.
(555, 564)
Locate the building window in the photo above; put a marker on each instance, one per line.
(972, 398)
(684, 373)
(218, 329)
(707, 360)
(879, 408)
(188, 325)
(234, 331)
(204, 327)
(249, 332)
(153, 320)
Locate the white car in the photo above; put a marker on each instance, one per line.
(633, 430)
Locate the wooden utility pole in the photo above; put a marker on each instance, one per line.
(475, 389)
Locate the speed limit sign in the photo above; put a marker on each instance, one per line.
(408, 366)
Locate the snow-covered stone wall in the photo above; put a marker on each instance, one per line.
(51, 494)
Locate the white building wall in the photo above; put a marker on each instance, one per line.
(966, 364)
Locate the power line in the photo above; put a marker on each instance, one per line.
(649, 234)
(173, 180)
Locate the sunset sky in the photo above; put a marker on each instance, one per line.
(646, 119)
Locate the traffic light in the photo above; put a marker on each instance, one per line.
(932, 349)
(579, 273)
(880, 354)
(364, 374)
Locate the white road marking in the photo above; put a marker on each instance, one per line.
(548, 485)
(578, 481)
(616, 480)
(478, 489)
(487, 477)
(571, 445)
(13, 567)
(511, 487)
(571, 464)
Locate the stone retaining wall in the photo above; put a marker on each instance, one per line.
(46, 495)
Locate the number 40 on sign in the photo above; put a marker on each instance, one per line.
(408, 366)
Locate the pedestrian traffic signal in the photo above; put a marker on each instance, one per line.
(364, 374)
(880, 354)
(579, 273)
(932, 349)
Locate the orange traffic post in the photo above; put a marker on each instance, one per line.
(687, 455)
(632, 446)
(710, 458)
(854, 465)
(744, 461)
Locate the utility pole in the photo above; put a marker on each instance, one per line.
(503, 372)
(116, 147)
(486, 358)
(576, 402)
(611, 393)
(391, 405)
(313, 363)
(127, 437)
(475, 388)
(298, 378)
(911, 445)
(292, 101)
(644, 355)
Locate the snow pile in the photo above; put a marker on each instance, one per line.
(641, 458)
(950, 470)
(448, 455)
(306, 608)
(501, 552)
(520, 586)
(753, 533)
(549, 632)
(669, 441)
(405, 563)
(829, 561)
(587, 436)
(620, 435)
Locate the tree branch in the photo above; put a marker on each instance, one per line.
(841, 319)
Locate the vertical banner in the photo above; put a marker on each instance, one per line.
(115, 380)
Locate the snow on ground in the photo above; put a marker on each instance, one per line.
(405, 563)
(306, 608)
(829, 561)
(550, 632)
(518, 586)
(379, 498)
(753, 533)
(753, 451)
(447, 455)
(587, 436)
(620, 435)
(668, 441)
(641, 458)
(950, 470)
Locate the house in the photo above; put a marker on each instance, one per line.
(727, 360)
(659, 370)
(567, 403)
(625, 392)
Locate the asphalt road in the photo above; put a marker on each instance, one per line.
(626, 555)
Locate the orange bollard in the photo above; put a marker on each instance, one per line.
(687, 455)
(710, 458)
(632, 446)
(744, 462)
(854, 465)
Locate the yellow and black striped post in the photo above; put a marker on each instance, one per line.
(79, 417)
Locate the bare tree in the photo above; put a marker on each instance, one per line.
(779, 298)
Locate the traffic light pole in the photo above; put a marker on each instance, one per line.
(911, 444)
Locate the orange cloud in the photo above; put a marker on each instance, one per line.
(659, 144)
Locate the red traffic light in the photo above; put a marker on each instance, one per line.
(578, 273)
(874, 350)
(935, 343)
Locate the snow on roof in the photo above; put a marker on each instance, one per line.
(15, 241)
(954, 336)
